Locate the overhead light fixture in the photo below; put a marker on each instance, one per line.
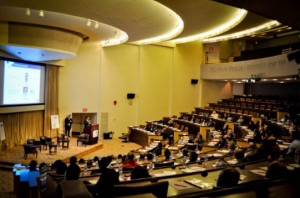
(89, 22)
(41, 14)
(28, 12)
(121, 37)
(241, 14)
(96, 25)
(243, 33)
(164, 37)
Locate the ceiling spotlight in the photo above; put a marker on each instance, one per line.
(96, 25)
(41, 14)
(89, 22)
(28, 12)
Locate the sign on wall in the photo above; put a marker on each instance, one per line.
(54, 122)
(274, 66)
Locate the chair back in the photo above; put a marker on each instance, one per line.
(159, 189)
(164, 164)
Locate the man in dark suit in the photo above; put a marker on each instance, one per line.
(87, 123)
(68, 124)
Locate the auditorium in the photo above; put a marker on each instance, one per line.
(149, 98)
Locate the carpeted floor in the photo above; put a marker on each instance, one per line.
(15, 155)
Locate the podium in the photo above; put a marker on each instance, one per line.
(93, 131)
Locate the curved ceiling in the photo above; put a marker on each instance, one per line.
(113, 21)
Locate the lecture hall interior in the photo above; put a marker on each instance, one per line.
(203, 94)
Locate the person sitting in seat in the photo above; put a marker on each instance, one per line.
(239, 155)
(228, 178)
(228, 136)
(193, 157)
(139, 172)
(130, 161)
(33, 165)
(294, 147)
(60, 167)
(167, 154)
(73, 170)
(158, 150)
(109, 177)
(277, 170)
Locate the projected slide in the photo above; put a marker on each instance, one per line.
(21, 83)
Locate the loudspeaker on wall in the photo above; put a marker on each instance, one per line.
(130, 96)
(194, 81)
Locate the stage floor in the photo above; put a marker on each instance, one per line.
(16, 154)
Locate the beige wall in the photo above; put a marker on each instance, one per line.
(79, 82)
(187, 60)
(159, 76)
(212, 91)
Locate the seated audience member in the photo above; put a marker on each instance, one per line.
(81, 161)
(130, 161)
(239, 155)
(257, 138)
(198, 139)
(252, 126)
(251, 148)
(277, 170)
(139, 172)
(229, 177)
(294, 147)
(228, 136)
(158, 150)
(43, 166)
(214, 115)
(193, 156)
(167, 154)
(33, 165)
(60, 167)
(241, 120)
(73, 170)
(109, 177)
(150, 157)
(185, 152)
(268, 149)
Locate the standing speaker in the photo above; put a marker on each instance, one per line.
(194, 81)
(130, 96)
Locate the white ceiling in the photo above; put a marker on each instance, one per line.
(136, 19)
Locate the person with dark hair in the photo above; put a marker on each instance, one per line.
(73, 170)
(158, 150)
(167, 154)
(87, 123)
(139, 172)
(227, 137)
(185, 152)
(33, 165)
(277, 170)
(130, 162)
(193, 156)
(43, 166)
(61, 167)
(109, 177)
(150, 157)
(229, 177)
(239, 155)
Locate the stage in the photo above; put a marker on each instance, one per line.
(102, 148)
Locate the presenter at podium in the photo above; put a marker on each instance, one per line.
(87, 123)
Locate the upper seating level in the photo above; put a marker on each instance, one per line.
(266, 52)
